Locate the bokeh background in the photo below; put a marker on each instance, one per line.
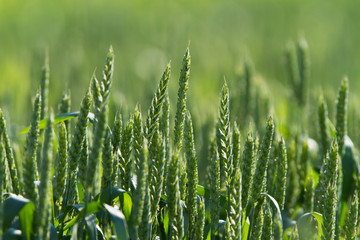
(146, 35)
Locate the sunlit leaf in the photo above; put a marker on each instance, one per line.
(92, 207)
(26, 219)
(126, 205)
(119, 222)
(276, 204)
(109, 194)
(60, 118)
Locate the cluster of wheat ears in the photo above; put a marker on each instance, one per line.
(109, 179)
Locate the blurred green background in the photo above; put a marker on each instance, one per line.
(146, 35)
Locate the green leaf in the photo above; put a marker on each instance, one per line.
(348, 167)
(273, 200)
(319, 218)
(92, 207)
(53, 233)
(119, 221)
(60, 118)
(126, 205)
(109, 194)
(81, 191)
(331, 128)
(12, 207)
(12, 234)
(26, 219)
(245, 227)
(165, 221)
(91, 230)
(100, 234)
(75, 231)
(205, 192)
(220, 229)
(305, 224)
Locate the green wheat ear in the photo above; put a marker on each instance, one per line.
(96, 93)
(9, 155)
(329, 212)
(116, 132)
(176, 221)
(142, 183)
(96, 149)
(4, 178)
(138, 136)
(329, 172)
(214, 189)
(282, 172)
(258, 221)
(323, 126)
(248, 76)
(341, 115)
(309, 193)
(247, 169)
(351, 221)
(183, 179)
(192, 174)
(44, 88)
(31, 147)
(259, 181)
(116, 144)
(83, 161)
(60, 164)
(107, 75)
(200, 220)
(145, 224)
(125, 163)
(267, 232)
(304, 69)
(298, 65)
(2, 173)
(65, 107)
(156, 104)
(165, 130)
(181, 101)
(234, 208)
(292, 65)
(107, 161)
(156, 175)
(41, 222)
(76, 146)
(223, 136)
(293, 182)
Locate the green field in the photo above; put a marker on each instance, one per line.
(208, 120)
(146, 36)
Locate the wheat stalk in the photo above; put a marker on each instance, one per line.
(60, 164)
(125, 163)
(259, 181)
(107, 162)
(192, 175)
(341, 115)
(41, 223)
(181, 101)
(31, 147)
(9, 155)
